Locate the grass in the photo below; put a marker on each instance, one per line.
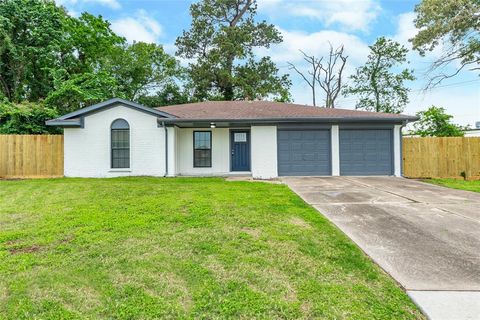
(469, 185)
(188, 248)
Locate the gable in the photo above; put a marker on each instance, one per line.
(76, 118)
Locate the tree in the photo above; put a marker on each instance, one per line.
(454, 25)
(331, 82)
(88, 44)
(170, 94)
(82, 90)
(220, 46)
(327, 74)
(26, 118)
(314, 70)
(377, 86)
(142, 68)
(434, 122)
(31, 32)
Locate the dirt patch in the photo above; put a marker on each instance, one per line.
(300, 223)
(250, 179)
(28, 249)
(12, 242)
(255, 233)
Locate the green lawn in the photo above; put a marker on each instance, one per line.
(139, 248)
(473, 185)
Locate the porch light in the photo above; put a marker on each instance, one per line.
(212, 125)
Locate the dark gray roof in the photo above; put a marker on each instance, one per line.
(74, 118)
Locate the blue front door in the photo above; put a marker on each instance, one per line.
(240, 150)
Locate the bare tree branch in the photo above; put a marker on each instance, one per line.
(331, 82)
(314, 64)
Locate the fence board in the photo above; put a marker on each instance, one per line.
(31, 156)
(40, 156)
(441, 157)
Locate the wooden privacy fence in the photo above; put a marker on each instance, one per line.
(41, 156)
(441, 157)
(31, 156)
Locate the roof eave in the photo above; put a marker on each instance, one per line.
(75, 123)
(297, 120)
(111, 102)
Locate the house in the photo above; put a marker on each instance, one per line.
(258, 138)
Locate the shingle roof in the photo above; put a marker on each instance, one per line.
(262, 110)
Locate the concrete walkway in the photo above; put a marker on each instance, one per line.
(425, 236)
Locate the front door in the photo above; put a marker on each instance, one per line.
(240, 150)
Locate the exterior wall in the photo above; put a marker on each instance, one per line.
(172, 147)
(397, 150)
(334, 131)
(87, 150)
(220, 152)
(264, 152)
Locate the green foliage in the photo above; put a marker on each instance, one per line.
(82, 90)
(170, 94)
(31, 32)
(142, 68)
(88, 43)
(221, 40)
(26, 118)
(377, 86)
(453, 24)
(70, 62)
(434, 122)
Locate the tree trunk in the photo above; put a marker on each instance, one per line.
(228, 94)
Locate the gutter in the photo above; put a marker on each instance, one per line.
(295, 120)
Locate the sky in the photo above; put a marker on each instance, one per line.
(307, 25)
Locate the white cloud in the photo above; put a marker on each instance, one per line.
(113, 4)
(316, 43)
(140, 27)
(352, 15)
(405, 29)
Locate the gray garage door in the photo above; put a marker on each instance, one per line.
(303, 152)
(366, 152)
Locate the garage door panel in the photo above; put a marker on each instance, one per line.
(366, 152)
(304, 152)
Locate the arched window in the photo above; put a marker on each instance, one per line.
(120, 144)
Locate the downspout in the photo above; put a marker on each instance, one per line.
(166, 148)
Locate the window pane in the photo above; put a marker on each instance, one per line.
(120, 139)
(240, 137)
(202, 140)
(202, 158)
(120, 124)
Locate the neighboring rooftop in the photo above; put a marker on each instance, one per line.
(258, 110)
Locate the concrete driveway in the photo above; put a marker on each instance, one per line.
(425, 236)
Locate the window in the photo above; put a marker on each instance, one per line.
(240, 137)
(120, 143)
(202, 149)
